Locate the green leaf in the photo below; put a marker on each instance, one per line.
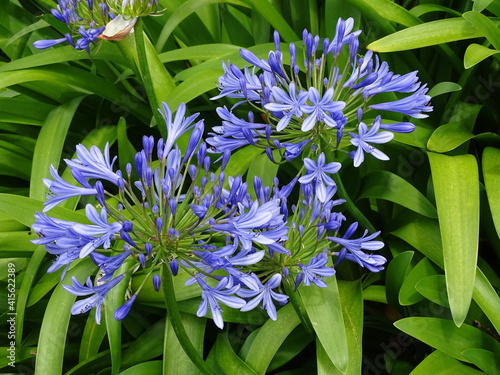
(228, 360)
(484, 25)
(146, 368)
(93, 335)
(486, 360)
(214, 51)
(175, 359)
(427, 34)
(434, 289)
(444, 88)
(64, 54)
(50, 144)
(491, 173)
(324, 309)
(22, 110)
(397, 270)
(449, 136)
(194, 86)
(276, 20)
(148, 346)
(445, 336)
(126, 150)
(17, 244)
(476, 53)
(351, 298)
(52, 341)
(408, 294)
(480, 5)
(270, 337)
(184, 10)
(177, 325)
(456, 186)
(422, 9)
(439, 363)
(114, 299)
(388, 186)
(391, 12)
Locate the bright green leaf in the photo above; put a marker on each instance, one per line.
(456, 186)
(388, 186)
(324, 309)
(439, 363)
(486, 360)
(491, 173)
(445, 336)
(476, 53)
(408, 294)
(427, 34)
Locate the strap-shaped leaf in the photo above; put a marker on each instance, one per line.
(324, 309)
(427, 34)
(388, 186)
(456, 186)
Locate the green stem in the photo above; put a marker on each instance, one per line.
(143, 66)
(177, 325)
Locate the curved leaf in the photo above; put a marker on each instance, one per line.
(445, 336)
(388, 186)
(427, 34)
(476, 53)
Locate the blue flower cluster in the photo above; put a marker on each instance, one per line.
(89, 20)
(333, 92)
(169, 208)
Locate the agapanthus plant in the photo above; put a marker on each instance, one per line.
(171, 209)
(320, 97)
(89, 20)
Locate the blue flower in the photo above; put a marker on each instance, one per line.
(412, 105)
(235, 84)
(104, 231)
(109, 265)
(42, 44)
(95, 300)
(212, 296)
(62, 190)
(246, 226)
(175, 128)
(315, 271)
(317, 172)
(366, 136)
(322, 109)
(94, 164)
(123, 310)
(291, 104)
(264, 294)
(352, 249)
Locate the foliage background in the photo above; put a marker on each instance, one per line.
(435, 309)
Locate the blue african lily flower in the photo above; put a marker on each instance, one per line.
(291, 104)
(108, 265)
(202, 223)
(352, 249)
(264, 294)
(317, 172)
(123, 310)
(212, 296)
(95, 300)
(365, 137)
(101, 232)
(62, 190)
(94, 163)
(314, 271)
(321, 104)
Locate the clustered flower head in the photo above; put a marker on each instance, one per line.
(91, 20)
(326, 92)
(170, 209)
